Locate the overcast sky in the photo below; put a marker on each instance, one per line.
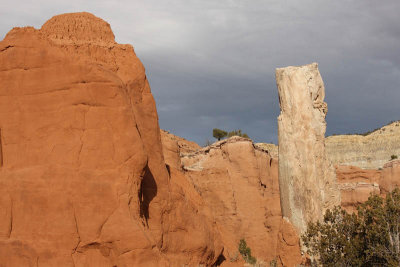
(212, 63)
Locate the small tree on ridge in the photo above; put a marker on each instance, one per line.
(218, 133)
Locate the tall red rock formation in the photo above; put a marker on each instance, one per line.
(82, 176)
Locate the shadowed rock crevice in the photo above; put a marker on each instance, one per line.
(221, 258)
(5, 48)
(147, 191)
(11, 219)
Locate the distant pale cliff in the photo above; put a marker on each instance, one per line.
(371, 151)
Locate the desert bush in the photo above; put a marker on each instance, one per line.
(219, 134)
(369, 237)
(245, 251)
(237, 133)
(392, 157)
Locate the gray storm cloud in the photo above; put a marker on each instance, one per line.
(211, 63)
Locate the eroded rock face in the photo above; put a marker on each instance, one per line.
(356, 185)
(306, 178)
(271, 148)
(175, 147)
(239, 183)
(83, 180)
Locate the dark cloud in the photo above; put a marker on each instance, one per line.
(211, 63)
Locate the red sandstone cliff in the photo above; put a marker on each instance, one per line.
(82, 177)
(357, 184)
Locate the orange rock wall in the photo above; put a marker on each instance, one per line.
(82, 176)
(357, 184)
(239, 183)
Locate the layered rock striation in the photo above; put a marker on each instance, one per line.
(306, 178)
(368, 151)
(357, 184)
(371, 151)
(83, 181)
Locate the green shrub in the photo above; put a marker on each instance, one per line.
(219, 134)
(237, 133)
(393, 157)
(369, 237)
(245, 251)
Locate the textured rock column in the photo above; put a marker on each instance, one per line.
(307, 179)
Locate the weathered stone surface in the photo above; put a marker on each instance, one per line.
(353, 174)
(239, 183)
(271, 148)
(175, 147)
(306, 178)
(369, 152)
(390, 176)
(83, 180)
